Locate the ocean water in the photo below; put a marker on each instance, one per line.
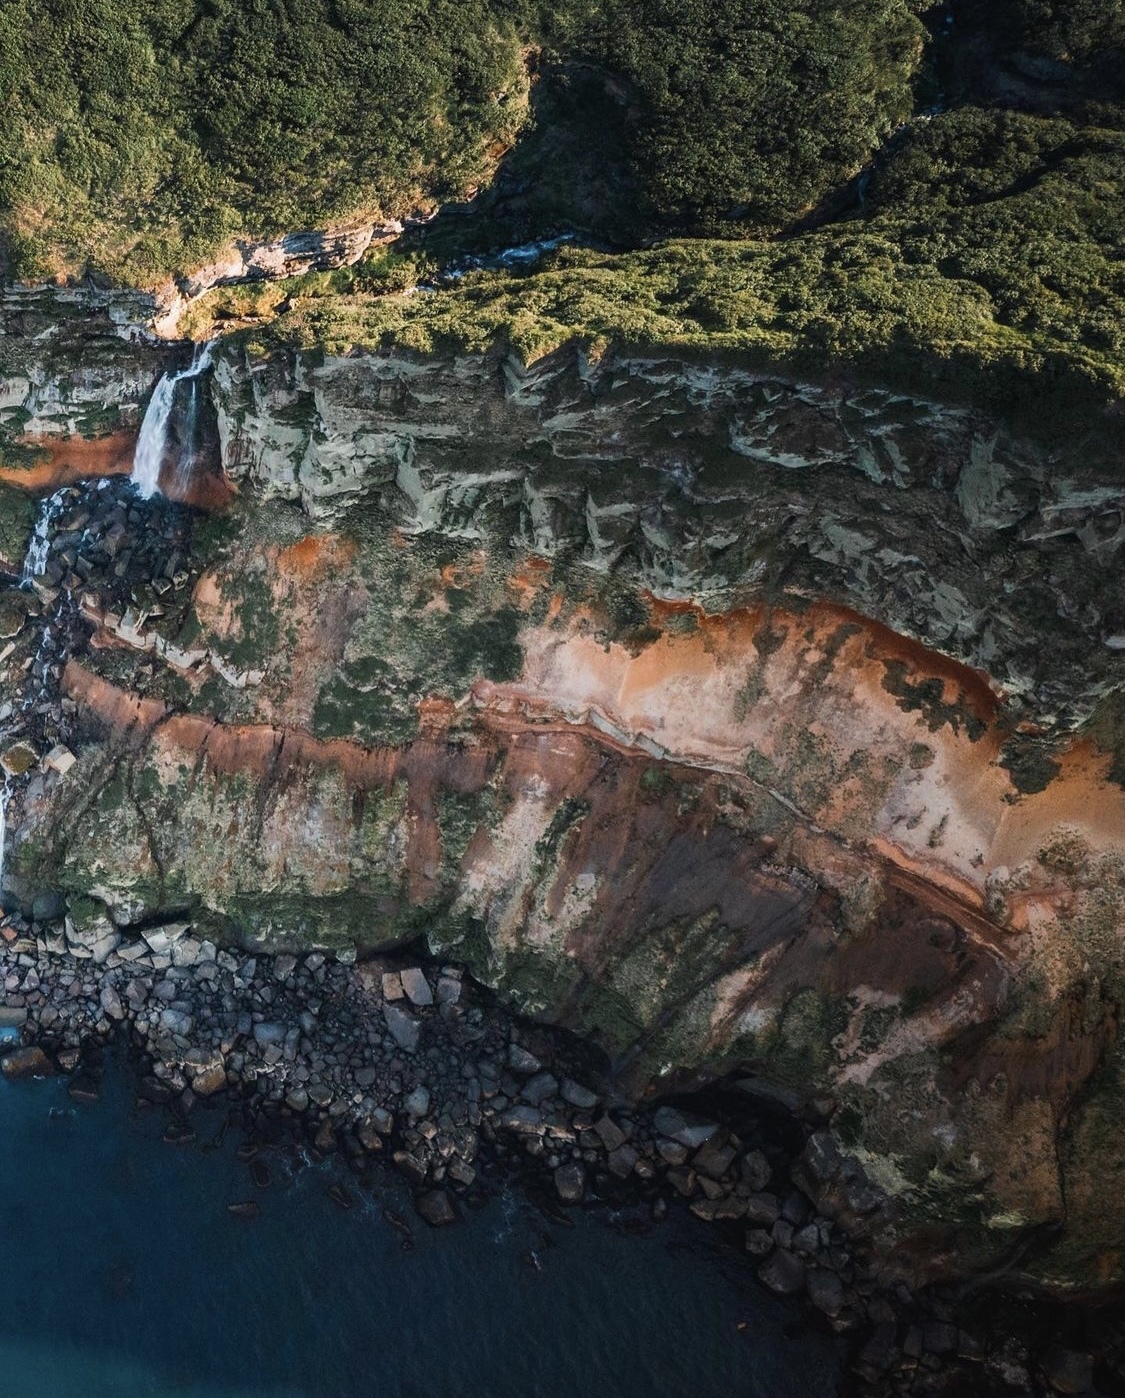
(125, 1275)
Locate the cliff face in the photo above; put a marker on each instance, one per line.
(704, 481)
(727, 720)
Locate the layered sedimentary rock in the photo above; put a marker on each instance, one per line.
(733, 722)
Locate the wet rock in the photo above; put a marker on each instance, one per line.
(683, 1180)
(755, 1170)
(728, 1207)
(409, 1165)
(27, 1063)
(570, 1183)
(369, 1136)
(403, 1027)
(758, 1242)
(783, 1273)
(437, 1208)
(763, 1208)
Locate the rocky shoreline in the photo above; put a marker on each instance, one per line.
(415, 1065)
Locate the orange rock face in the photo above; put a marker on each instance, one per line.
(780, 838)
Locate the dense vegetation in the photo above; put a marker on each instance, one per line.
(756, 109)
(985, 265)
(980, 248)
(138, 136)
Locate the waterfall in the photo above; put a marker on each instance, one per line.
(36, 559)
(152, 440)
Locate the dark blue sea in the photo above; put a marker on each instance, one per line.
(125, 1275)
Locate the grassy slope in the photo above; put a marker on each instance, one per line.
(140, 136)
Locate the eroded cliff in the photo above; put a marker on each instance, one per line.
(731, 721)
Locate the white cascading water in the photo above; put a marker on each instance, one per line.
(152, 440)
(36, 559)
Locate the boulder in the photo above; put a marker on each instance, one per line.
(755, 1169)
(111, 1002)
(210, 1080)
(418, 1102)
(416, 986)
(825, 1289)
(29, 1062)
(448, 990)
(404, 1028)
(686, 1128)
(714, 1158)
(783, 1273)
(1068, 1370)
(609, 1133)
(758, 1242)
(521, 1061)
(578, 1096)
(730, 1207)
(764, 1209)
(539, 1088)
(622, 1161)
(570, 1182)
(437, 1208)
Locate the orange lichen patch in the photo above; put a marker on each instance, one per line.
(819, 624)
(64, 460)
(1081, 799)
(315, 556)
(529, 580)
(461, 574)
